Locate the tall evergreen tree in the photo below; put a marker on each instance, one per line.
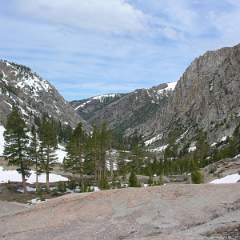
(133, 181)
(98, 144)
(76, 153)
(48, 140)
(16, 145)
(34, 154)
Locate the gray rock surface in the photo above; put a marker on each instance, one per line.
(11, 208)
(157, 213)
(207, 95)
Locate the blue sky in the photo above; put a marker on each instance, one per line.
(91, 47)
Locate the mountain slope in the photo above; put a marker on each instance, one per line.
(126, 113)
(33, 95)
(88, 107)
(205, 99)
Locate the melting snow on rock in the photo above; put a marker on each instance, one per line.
(233, 178)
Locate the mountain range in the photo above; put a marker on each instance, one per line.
(205, 99)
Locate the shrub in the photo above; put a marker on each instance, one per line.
(104, 183)
(197, 177)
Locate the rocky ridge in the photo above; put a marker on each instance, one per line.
(34, 96)
(206, 98)
(127, 113)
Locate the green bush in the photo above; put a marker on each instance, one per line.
(104, 183)
(197, 177)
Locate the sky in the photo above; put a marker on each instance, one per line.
(91, 47)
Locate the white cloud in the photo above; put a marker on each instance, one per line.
(114, 41)
(114, 16)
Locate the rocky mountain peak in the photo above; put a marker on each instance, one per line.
(33, 95)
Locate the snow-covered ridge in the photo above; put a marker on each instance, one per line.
(170, 87)
(102, 97)
(99, 98)
(82, 105)
(26, 79)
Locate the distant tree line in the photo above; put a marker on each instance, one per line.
(88, 154)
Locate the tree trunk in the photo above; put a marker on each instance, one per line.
(47, 181)
(81, 174)
(47, 169)
(111, 166)
(24, 183)
(36, 171)
(37, 184)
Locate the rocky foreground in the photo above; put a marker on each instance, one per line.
(167, 212)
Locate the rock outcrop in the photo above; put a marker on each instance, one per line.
(169, 212)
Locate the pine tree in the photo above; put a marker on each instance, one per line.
(76, 153)
(133, 181)
(16, 145)
(98, 144)
(48, 140)
(34, 154)
(137, 158)
(104, 145)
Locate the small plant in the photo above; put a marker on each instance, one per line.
(104, 183)
(197, 177)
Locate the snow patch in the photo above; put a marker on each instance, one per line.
(61, 153)
(102, 97)
(171, 86)
(154, 139)
(223, 139)
(159, 149)
(182, 136)
(234, 178)
(34, 83)
(82, 105)
(2, 129)
(213, 144)
(192, 147)
(13, 176)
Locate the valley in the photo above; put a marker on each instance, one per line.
(157, 163)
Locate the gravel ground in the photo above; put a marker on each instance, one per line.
(158, 213)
